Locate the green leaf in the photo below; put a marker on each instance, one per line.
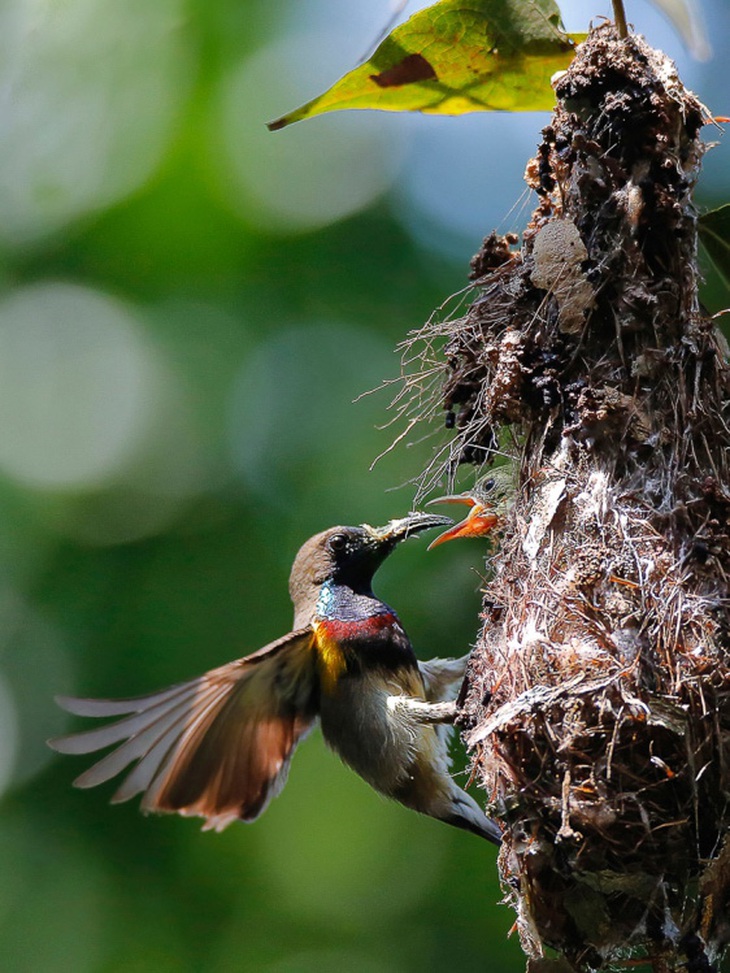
(714, 229)
(458, 56)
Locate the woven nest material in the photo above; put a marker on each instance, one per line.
(597, 703)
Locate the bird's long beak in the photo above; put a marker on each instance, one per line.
(398, 530)
(480, 520)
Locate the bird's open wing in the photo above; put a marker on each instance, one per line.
(218, 746)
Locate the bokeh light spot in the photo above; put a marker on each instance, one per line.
(314, 173)
(90, 90)
(74, 379)
(477, 188)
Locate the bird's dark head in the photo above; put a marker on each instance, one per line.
(351, 555)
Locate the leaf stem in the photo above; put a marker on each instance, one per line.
(620, 18)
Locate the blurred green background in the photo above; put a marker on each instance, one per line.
(188, 308)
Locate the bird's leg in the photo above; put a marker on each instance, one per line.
(422, 711)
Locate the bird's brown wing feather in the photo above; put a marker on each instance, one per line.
(218, 746)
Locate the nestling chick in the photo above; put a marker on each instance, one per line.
(489, 500)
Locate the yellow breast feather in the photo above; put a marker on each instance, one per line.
(330, 656)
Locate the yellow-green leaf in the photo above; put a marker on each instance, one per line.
(714, 231)
(458, 56)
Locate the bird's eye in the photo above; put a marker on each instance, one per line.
(338, 542)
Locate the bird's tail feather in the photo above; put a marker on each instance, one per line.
(465, 813)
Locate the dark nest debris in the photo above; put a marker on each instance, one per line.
(597, 703)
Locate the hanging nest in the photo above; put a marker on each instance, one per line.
(597, 702)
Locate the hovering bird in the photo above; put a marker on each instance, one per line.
(488, 501)
(219, 747)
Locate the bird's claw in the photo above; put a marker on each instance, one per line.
(423, 711)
